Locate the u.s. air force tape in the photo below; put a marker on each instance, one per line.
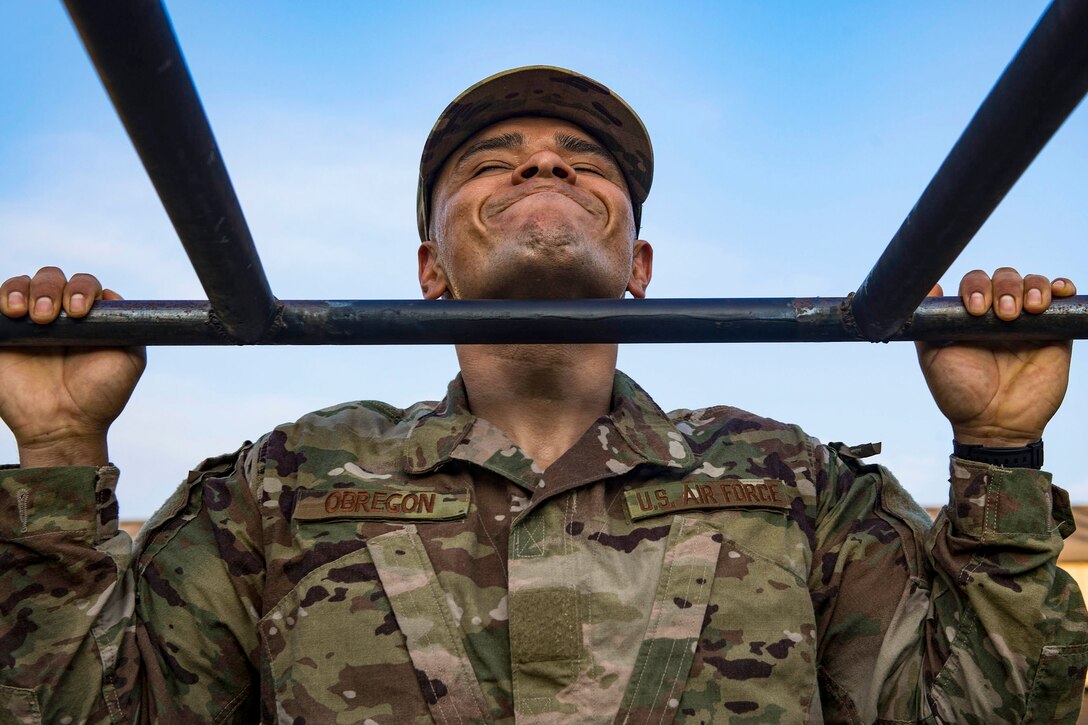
(754, 493)
(376, 502)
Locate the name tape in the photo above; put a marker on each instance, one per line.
(382, 503)
(754, 493)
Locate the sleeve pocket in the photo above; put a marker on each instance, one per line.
(1056, 693)
(19, 706)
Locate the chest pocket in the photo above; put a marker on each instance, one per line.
(434, 639)
(757, 653)
(333, 647)
(364, 632)
(732, 630)
(676, 619)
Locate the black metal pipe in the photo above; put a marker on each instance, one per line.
(134, 49)
(1035, 94)
(397, 322)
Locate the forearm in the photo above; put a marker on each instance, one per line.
(64, 569)
(1019, 623)
(95, 632)
(200, 579)
(958, 620)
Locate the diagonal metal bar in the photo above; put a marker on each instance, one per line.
(1035, 94)
(398, 322)
(134, 49)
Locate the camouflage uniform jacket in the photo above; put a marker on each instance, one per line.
(376, 565)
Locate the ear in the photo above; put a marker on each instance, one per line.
(642, 268)
(432, 278)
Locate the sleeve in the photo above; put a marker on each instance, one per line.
(95, 630)
(967, 619)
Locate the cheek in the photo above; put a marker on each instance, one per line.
(625, 217)
(621, 215)
(439, 218)
(453, 215)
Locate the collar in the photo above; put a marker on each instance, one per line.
(646, 428)
(432, 439)
(646, 434)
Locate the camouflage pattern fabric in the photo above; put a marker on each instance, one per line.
(375, 565)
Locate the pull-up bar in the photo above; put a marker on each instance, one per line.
(137, 56)
(391, 322)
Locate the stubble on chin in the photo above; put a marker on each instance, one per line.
(544, 255)
(546, 237)
(551, 268)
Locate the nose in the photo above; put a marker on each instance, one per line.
(544, 164)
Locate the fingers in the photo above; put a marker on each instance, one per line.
(13, 296)
(46, 288)
(44, 295)
(1063, 287)
(1037, 293)
(81, 293)
(1009, 294)
(976, 292)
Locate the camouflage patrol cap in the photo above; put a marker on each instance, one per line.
(540, 90)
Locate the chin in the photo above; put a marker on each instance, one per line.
(544, 235)
(548, 262)
(554, 282)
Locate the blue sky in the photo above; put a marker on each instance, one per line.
(791, 140)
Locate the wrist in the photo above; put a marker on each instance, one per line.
(995, 438)
(81, 451)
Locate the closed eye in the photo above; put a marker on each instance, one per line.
(486, 168)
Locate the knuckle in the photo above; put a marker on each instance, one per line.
(83, 278)
(974, 281)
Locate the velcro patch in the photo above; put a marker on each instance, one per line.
(752, 493)
(382, 503)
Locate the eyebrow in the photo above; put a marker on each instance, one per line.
(577, 145)
(505, 142)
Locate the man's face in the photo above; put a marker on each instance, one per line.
(532, 208)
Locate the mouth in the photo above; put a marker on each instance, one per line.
(497, 206)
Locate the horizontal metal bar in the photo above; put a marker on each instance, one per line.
(1035, 94)
(398, 322)
(137, 56)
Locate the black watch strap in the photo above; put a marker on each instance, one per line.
(1029, 456)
